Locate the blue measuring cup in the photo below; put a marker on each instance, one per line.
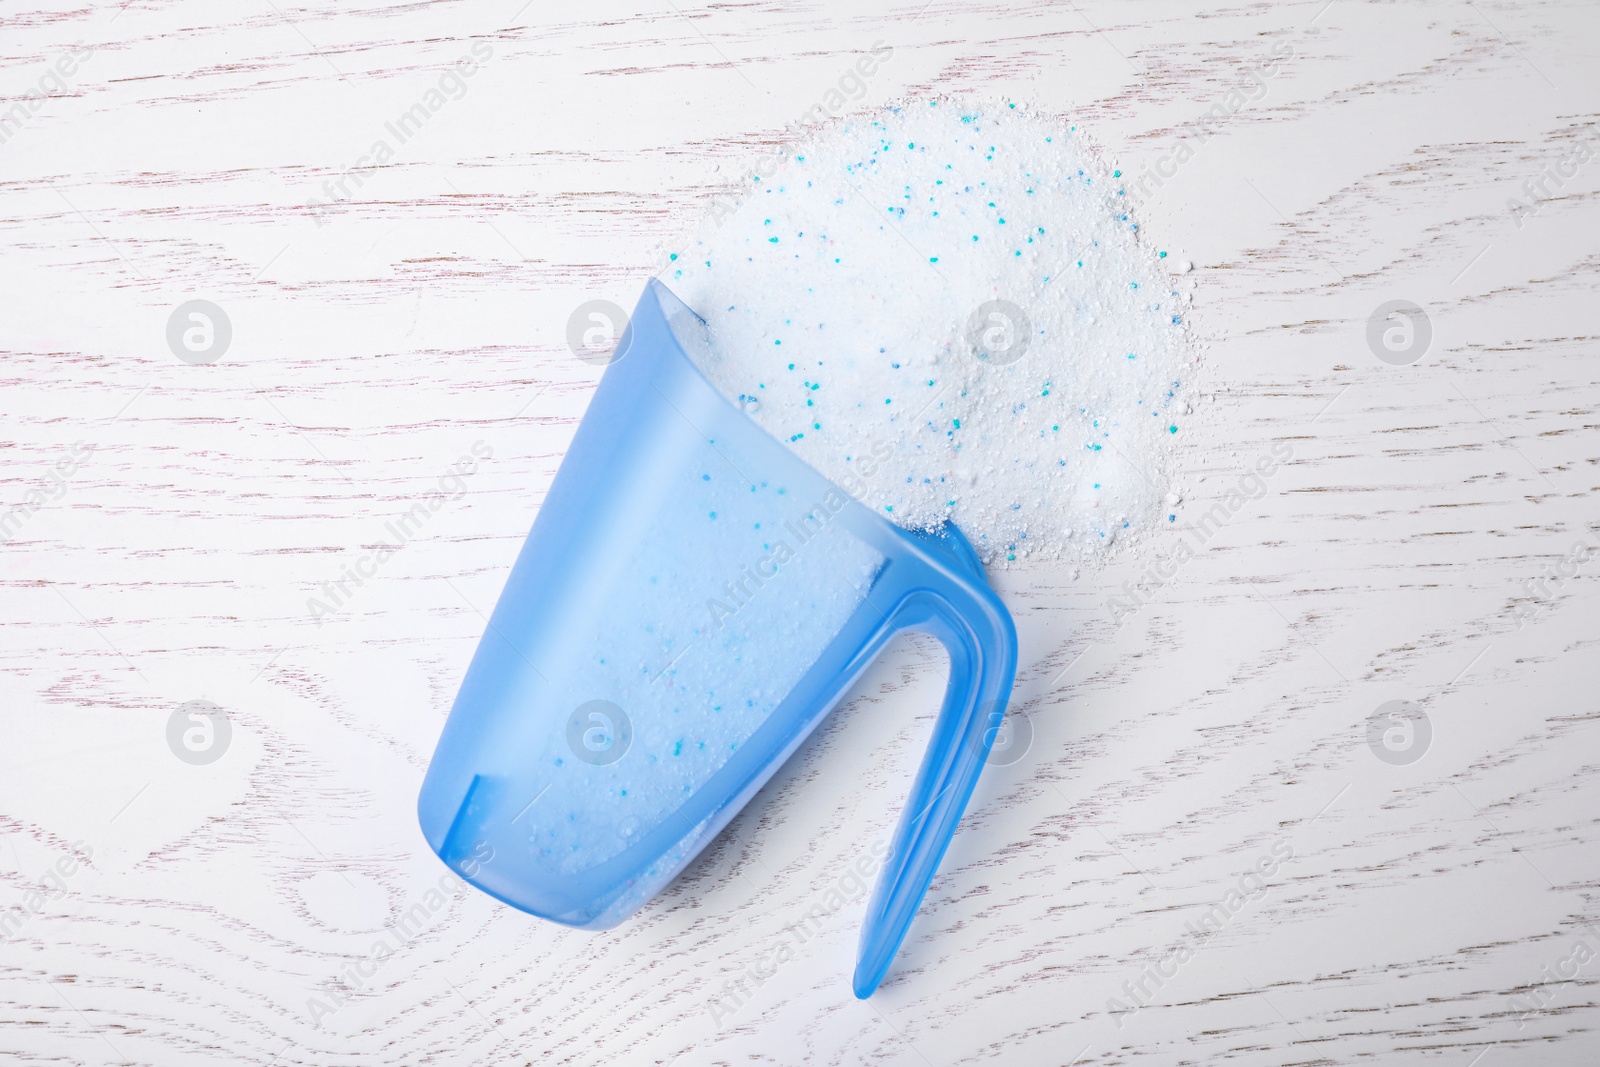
(691, 603)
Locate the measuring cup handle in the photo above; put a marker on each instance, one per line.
(977, 632)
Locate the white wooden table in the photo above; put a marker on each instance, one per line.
(1417, 910)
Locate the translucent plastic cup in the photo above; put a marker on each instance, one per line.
(691, 603)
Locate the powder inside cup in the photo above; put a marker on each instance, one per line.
(947, 310)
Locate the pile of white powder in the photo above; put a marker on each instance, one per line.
(947, 310)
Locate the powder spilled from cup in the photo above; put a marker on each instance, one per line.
(945, 308)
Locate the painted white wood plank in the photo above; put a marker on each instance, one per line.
(1421, 911)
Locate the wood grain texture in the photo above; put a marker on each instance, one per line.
(1427, 909)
